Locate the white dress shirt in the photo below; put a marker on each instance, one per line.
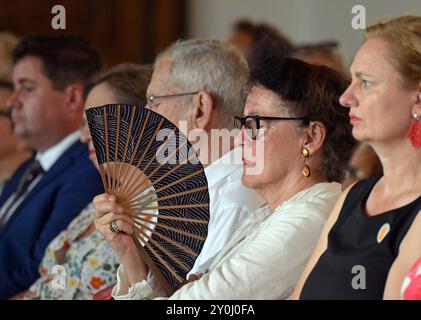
(230, 204)
(49, 157)
(263, 259)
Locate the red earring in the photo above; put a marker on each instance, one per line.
(414, 134)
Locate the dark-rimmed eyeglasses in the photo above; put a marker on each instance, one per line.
(152, 99)
(252, 123)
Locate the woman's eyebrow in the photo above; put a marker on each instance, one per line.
(361, 75)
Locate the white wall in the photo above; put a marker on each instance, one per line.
(301, 20)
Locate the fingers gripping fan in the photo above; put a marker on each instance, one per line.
(154, 172)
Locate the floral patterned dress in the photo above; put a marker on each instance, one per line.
(76, 267)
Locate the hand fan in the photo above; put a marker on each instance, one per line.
(154, 172)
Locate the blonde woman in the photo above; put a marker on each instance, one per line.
(373, 236)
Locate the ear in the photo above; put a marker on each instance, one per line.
(75, 96)
(314, 136)
(203, 105)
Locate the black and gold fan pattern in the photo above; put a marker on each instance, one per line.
(154, 172)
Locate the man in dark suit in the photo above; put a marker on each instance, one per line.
(53, 187)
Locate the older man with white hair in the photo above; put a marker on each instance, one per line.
(200, 86)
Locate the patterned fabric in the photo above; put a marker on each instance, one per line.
(124, 134)
(88, 264)
(411, 288)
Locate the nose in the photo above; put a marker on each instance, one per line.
(13, 101)
(348, 99)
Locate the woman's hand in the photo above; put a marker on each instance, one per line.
(194, 277)
(107, 210)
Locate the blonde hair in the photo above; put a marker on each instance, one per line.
(404, 37)
(8, 42)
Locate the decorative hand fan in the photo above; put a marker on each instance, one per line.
(154, 172)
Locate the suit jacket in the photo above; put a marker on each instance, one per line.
(61, 194)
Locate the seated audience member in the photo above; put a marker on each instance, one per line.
(372, 237)
(324, 53)
(249, 38)
(411, 287)
(208, 79)
(89, 263)
(43, 196)
(293, 109)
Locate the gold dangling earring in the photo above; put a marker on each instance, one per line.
(306, 169)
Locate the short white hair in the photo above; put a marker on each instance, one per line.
(211, 66)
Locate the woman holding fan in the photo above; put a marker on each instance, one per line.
(85, 260)
(292, 110)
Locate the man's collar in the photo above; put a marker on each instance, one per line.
(51, 155)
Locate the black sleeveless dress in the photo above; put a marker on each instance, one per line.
(361, 249)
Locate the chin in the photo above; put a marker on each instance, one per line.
(358, 134)
(249, 181)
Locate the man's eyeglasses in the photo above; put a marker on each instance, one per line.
(6, 114)
(252, 123)
(152, 99)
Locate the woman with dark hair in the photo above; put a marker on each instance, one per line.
(373, 236)
(296, 140)
(86, 261)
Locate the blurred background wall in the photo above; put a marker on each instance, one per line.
(124, 30)
(300, 20)
(135, 30)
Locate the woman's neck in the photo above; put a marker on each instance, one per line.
(401, 167)
(281, 191)
(11, 162)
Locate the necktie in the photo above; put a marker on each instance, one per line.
(32, 172)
